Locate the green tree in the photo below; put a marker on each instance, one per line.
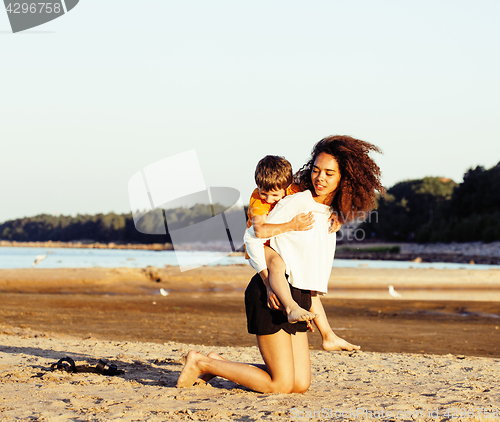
(408, 206)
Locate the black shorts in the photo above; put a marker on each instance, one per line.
(262, 320)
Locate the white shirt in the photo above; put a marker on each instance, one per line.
(308, 255)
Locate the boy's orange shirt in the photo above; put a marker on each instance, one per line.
(259, 207)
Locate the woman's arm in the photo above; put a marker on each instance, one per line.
(255, 249)
(254, 245)
(263, 229)
(284, 212)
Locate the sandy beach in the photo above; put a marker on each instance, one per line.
(432, 351)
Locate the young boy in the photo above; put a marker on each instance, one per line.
(273, 177)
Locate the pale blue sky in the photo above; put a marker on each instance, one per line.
(89, 99)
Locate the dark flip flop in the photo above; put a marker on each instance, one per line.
(61, 365)
(110, 370)
(99, 369)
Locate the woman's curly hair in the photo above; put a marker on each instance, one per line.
(359, 175)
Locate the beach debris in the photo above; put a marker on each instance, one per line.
(152, 273)
(393, 292)
(163, 292)
(38, 259)
(103, 367)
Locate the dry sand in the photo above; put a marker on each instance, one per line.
(118, 314)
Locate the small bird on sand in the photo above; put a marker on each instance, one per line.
(393, 292)
(39, 258)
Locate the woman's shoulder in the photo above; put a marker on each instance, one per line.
(299, 197)
(304, 201)
(298, 202)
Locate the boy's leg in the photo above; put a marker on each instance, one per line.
(279, 285)
(331, 341)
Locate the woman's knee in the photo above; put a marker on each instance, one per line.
(301, 386)
(283, 387)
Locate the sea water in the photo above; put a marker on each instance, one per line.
(24, 257)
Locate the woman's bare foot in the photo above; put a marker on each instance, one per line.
(297, 314)
(203, 379)
(191, 370)
(334, 342)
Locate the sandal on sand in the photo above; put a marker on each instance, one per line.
(111, 370)
(60, 364)
(99, 369)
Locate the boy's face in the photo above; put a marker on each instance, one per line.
(271, 196)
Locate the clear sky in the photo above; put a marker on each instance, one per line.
(89, 99)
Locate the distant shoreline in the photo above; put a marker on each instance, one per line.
(215, 247)
(89, 245)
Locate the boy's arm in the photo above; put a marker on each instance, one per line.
(265, 230)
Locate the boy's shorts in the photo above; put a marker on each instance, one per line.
(262, 320)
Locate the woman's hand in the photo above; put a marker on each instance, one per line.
(334, 223)
(302, 222)
(272, 300)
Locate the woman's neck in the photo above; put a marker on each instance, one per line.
(325, 200)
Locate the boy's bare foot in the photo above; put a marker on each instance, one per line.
(333, 343)
(297, 314)
(203, 379)
(191, 370)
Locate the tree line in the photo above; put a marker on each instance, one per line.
(106, 228)
(431, 209)
(436, 209)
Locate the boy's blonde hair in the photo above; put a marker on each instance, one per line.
(273, 173)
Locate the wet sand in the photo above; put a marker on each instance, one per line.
(216, 319)
(440, 312)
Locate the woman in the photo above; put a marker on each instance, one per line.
(340, 175)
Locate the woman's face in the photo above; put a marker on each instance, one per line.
(325, 177)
